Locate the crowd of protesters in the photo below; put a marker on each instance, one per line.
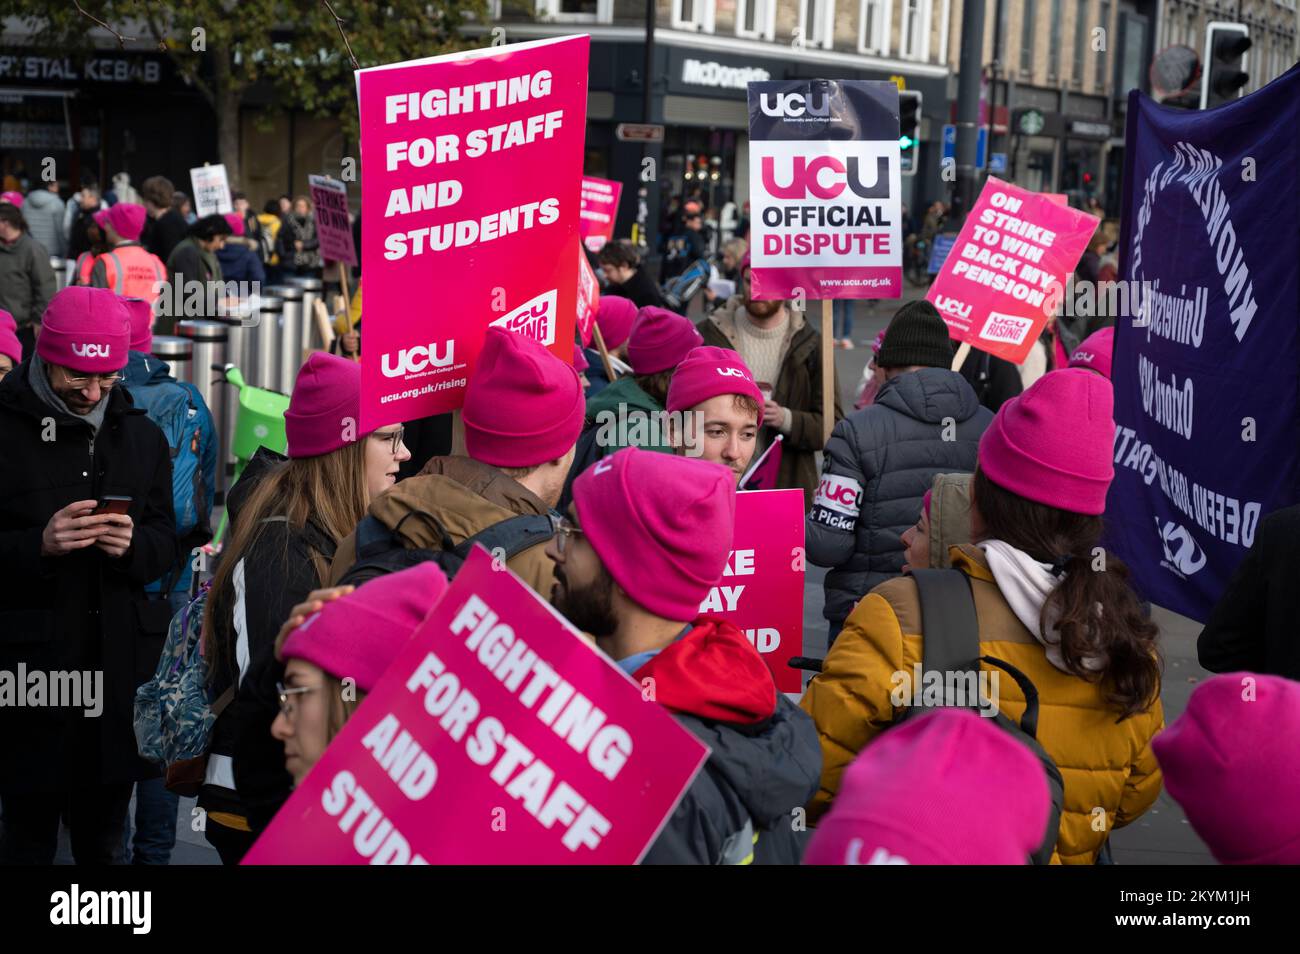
(107, 492)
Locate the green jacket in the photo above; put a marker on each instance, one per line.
(26, 280)
(640, 423)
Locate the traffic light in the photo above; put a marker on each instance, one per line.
(1225, 54)
(909, 129)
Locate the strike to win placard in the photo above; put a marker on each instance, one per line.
(762, 588)
(329, 199)
(470, 205)
(211, 190)
(825, 189)
(1006, 272)
(498, 736)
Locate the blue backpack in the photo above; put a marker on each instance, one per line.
(175, 410)
(174, 714)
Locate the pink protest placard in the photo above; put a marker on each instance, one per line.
(329, 199)
(761, 592)
(499, 736)
(599, 210)
(469, 214)
(1006, 273)
(588, 299)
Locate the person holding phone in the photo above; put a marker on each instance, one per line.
(85, 523)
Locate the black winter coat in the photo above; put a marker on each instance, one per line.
(753, 780)
(1253, 627)
(878, 465)
(86, 610)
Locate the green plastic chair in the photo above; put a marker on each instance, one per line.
(259, 423)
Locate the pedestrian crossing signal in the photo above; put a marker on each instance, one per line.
(909, 129)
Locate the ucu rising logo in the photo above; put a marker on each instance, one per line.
(806, 178)
(1181, 552)
(92, 350)
(731, 373)
(794, 105)
(419, 358)
(951, 306)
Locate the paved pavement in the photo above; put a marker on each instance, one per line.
(1161, 836)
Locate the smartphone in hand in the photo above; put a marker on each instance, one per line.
(111, 504)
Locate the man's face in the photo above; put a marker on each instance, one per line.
(694, 222)
(728, 433)
(241, 206)
(89, 198)
(6, 365)
(78, 390)
(616, 274)
(9, 234)
(759, 309)
(583, 590)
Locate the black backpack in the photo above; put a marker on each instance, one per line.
(951, 643)
(379, 551)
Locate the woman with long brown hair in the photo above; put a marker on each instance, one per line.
(1048, 599)
(287, 518)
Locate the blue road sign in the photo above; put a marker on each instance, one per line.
(950, 145)
(998, 162)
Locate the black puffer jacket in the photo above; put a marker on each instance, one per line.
(878, 465)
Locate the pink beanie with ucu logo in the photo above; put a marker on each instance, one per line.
(86, 330)
(707, 372)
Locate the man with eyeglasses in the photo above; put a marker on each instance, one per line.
(73, 614)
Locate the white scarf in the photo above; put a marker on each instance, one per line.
(1025, 585)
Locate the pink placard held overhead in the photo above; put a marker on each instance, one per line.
(599, 211)
(329, 199)
(470, 209)
(498, 736)
(1006, 272)
(761, 592)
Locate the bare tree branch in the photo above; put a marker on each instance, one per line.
(339, 23)
(121, 40)
(185, 66)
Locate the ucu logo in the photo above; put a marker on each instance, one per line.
(794, 105)
(91, 350)
(411, 360)
(806, 178)
(731, 372)
(1086, 356)
(951, 306)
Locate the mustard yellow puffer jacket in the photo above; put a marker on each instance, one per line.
(1105, 764)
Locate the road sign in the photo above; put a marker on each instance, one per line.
(639, 132)
(998, 162)
(950, 144)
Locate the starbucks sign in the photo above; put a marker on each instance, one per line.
(1032, 122)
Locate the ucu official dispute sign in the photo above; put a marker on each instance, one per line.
(824, 182)
(470, 215)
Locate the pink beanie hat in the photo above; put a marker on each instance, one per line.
(1053, 443)
(1231, 761)
(325, 405)
(523, 405)
(7, 320)
(661, 524)
(707, 372)
(10, 345)
(13, 198)
(125, 218)
(660, 340)
(615, 316)
(358, 636)
(235, 221)
(925, 502)
(140, 312)
(85, 329)
(579, 359)
(1094, 352)
(944, 788)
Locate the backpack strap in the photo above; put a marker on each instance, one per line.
(512, 535)
(950, 628)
